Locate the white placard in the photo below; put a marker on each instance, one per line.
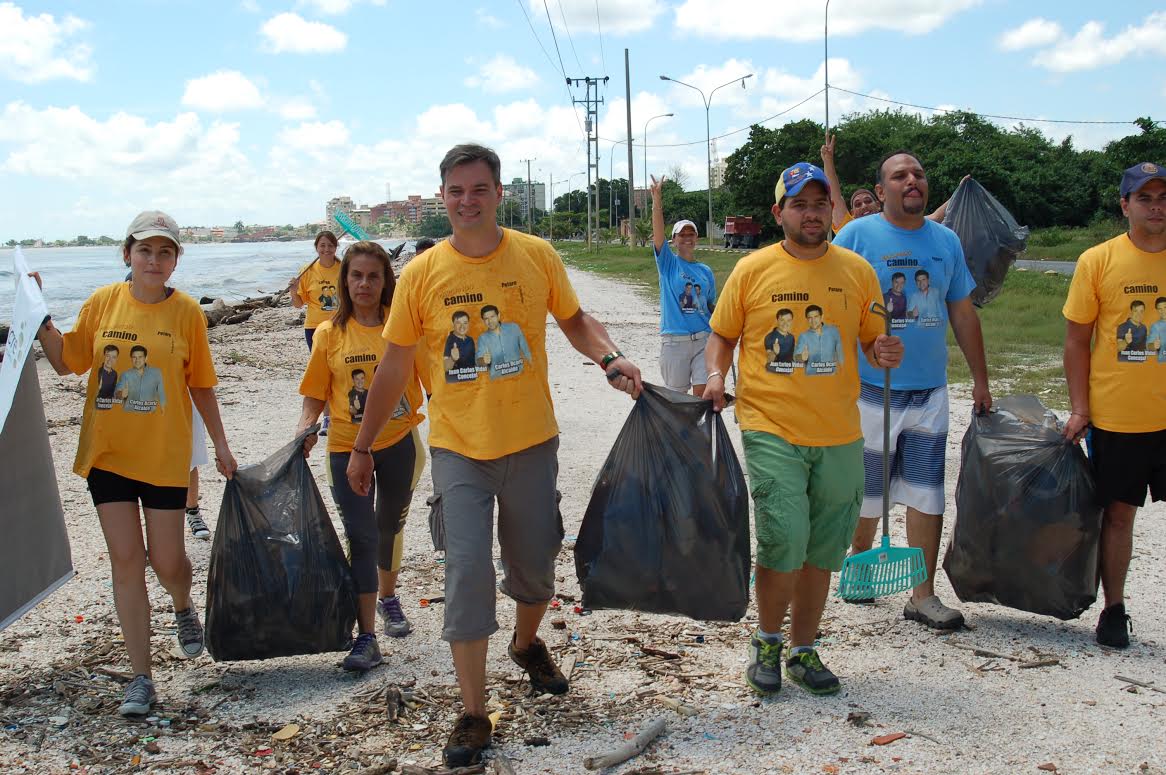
(28, 312)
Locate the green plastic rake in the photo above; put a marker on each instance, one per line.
(885, 570)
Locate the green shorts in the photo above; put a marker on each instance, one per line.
(805, 501)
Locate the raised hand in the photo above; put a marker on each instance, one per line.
(656, 188)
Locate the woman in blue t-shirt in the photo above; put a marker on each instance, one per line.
(687, 298)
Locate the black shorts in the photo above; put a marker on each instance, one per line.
(1125, 464)
(108, 487)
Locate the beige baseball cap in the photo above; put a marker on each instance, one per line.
(154, 223)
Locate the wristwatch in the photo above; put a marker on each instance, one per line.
(607, 359)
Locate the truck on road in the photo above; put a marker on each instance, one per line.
(741, 232)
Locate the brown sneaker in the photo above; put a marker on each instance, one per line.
(469, 736)
(545, 676)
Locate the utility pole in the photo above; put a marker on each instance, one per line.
(631, 186)
(529, 204)
(592, 103)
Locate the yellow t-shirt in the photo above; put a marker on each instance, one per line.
(318, 290)
(340, 371)
(141, 359)
(799, 322)
(484, 323)
(847, 218)
(1123, 290)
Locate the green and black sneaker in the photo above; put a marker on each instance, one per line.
(807, 670)
(764, 671)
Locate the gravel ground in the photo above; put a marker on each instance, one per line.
(962, 712)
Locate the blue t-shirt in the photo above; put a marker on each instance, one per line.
(687, 291)
(1158, 336)
(927, 266)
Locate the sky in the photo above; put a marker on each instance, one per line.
(261, 110)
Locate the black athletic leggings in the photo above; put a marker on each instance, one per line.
(373, 521)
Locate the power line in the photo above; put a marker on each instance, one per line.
(734, 131)
(536, 37)
(567, 27)
(982, 115)
(562, 68)
(599, 25)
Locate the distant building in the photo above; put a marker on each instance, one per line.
(719, 173)
(431, 206)
(517, 190)
(342, 204)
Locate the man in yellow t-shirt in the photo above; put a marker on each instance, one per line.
(1118, 390)
(800, 422)
(493, 433)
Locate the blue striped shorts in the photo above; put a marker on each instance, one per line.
(919, 425)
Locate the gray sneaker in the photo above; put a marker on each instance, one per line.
(395, 623)
(932, 612)
(764, 671)
(198, 527)
(365, 654)
(189, 635)
(139, 697)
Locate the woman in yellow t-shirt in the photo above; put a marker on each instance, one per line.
(315, 286)
(344, 357)
(144, 346)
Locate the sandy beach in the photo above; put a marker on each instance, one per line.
(1038, 693)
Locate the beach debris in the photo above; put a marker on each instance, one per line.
(628, 750)
(1047, 767)
(888, 738)
(859, 718)
(287, 732)
(1134, 682)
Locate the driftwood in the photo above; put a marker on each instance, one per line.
(502, 765)
(218, 312)
(628, 750)
(1144, 684)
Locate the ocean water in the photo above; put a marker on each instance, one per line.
(232, 271)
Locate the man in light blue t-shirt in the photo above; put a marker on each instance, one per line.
(1157, 338)
(902, 242)
(687, 299)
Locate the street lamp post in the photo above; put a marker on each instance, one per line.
(708, 135)
(571, 190)
(826, 63)
(551, 179)
(612, 220)
(649, 121)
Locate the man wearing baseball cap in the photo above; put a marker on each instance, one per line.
(799, 419)
(684, 324)
(1117, 387)
(901, 240)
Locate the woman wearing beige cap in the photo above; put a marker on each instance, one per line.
(687, 296)
(144, 346)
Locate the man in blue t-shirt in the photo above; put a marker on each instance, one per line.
(820, 348)
(1157, 339)
(687, 298)
(902, 241)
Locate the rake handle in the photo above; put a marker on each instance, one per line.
(885, 314)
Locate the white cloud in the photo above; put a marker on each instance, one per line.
(759, 19)
(485, 19)
(315, 135)
(222, 91)
(619, 17)
(297, 109)
(41, 48)
(501, 74)
(250, 6)
(333, 7)
(68, 143)
(1034, 33)
(292, 33)
(1090, 49)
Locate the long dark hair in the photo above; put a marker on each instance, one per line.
(325, 235)
(363, 248)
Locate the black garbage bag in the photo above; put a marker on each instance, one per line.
(667, 528)
(279, 583)
(991, 237)
(1028, 524)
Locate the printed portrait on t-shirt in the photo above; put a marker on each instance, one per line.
(688, 300)
(107, 378)
(819, 349)
(459, 356)
(895, 300)
(502, 347)
(926, 304)
(779, 345)
(328, 299)
(358, 396)
(702, 302)
(1132, 335)
(140, 388)
(1156, 341)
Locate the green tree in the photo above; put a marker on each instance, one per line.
(239, 227)
(434, 226)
